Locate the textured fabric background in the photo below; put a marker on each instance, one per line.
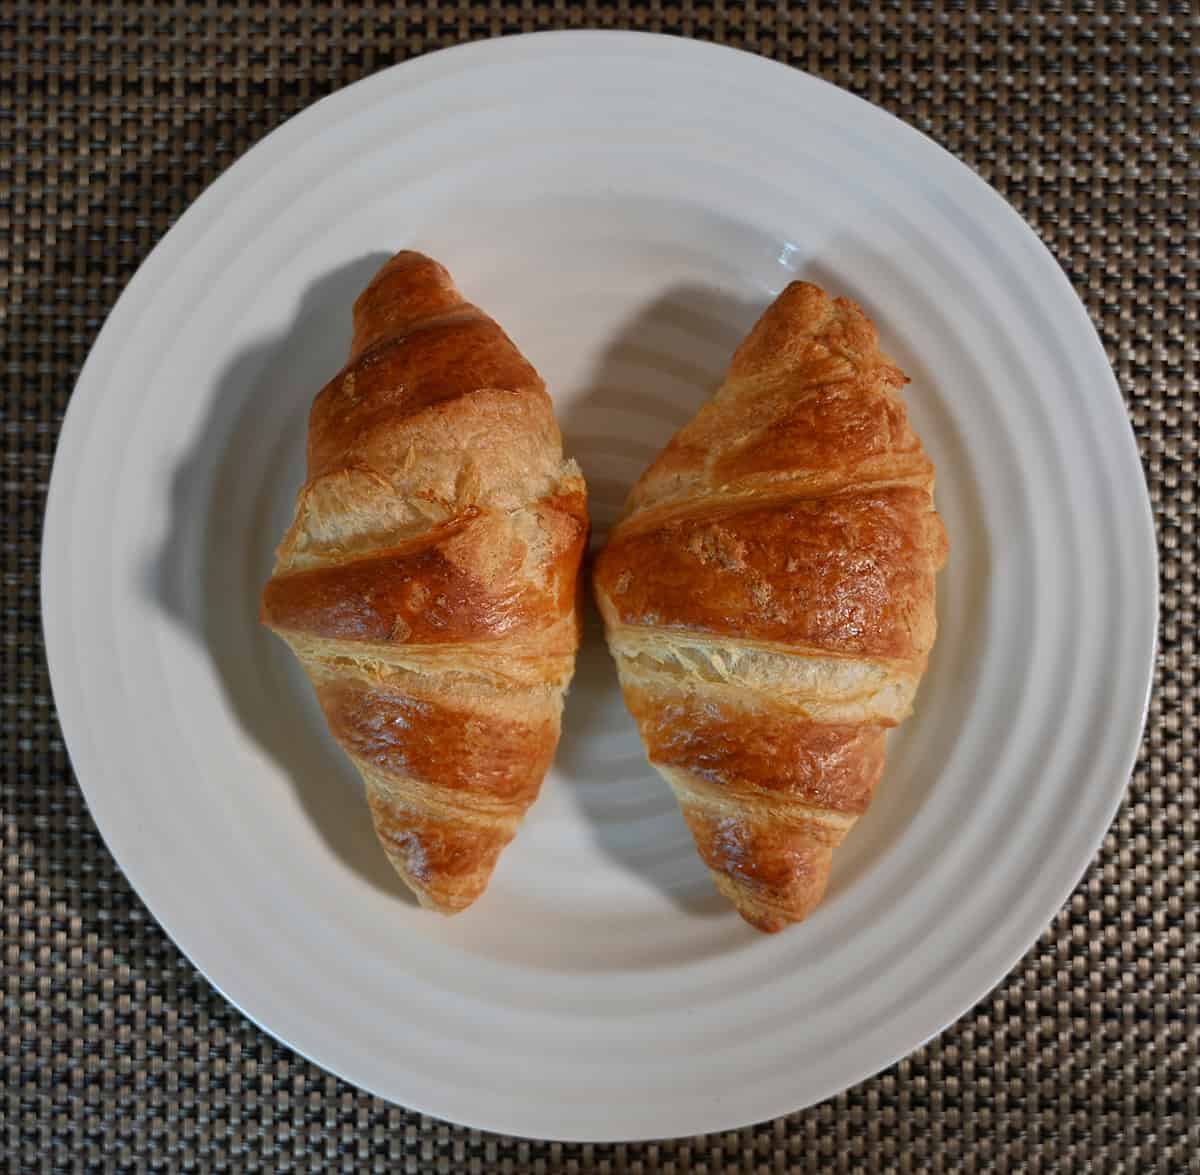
(117, 1054)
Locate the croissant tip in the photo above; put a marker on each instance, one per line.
(771, 923)
(769, 918)
(430, 903)
(427, 900)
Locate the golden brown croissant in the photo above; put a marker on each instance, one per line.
(769, 598)
(428, 583)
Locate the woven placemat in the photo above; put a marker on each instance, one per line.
(118, 1054)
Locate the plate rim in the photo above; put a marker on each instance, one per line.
(87, 394)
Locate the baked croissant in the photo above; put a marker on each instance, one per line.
(429, 580)
(768, 596)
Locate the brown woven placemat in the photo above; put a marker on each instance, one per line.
(117, 1054)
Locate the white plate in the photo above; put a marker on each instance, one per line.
(624, 205)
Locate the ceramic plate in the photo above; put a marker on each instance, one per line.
(625, 206)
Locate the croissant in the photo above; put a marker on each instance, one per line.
(768, 596)
(428, 583)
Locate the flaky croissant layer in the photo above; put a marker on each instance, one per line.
(429, 580)
(768, 596)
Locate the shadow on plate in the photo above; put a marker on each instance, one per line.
(649, 376)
